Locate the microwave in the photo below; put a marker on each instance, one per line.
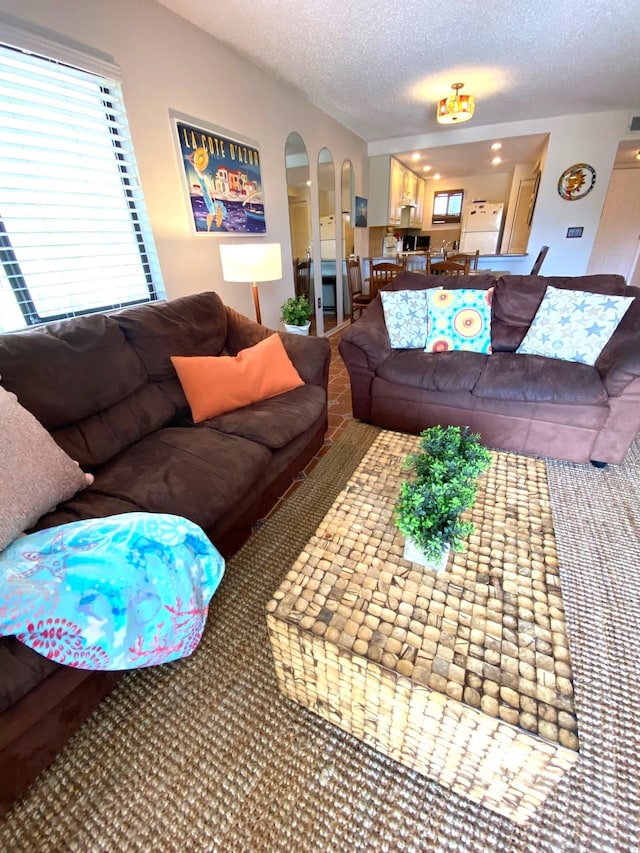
(423, 241)
(408, 243)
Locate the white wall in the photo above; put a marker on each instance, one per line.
(591, 139)
(168, 64)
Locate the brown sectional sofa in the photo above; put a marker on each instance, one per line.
(517, 402)
(104, 387)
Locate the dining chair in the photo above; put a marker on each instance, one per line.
(302, 276)
(542, 254)
(382, 273)
(473, 257)
(359, 299)
(451, 267)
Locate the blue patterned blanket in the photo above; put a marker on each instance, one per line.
(125, 591)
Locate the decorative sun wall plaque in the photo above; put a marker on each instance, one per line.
(576, 181)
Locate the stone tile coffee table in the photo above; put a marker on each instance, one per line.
(463, 675)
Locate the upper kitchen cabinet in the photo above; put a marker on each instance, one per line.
(396, 194)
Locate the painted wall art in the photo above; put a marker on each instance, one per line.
(223, 181)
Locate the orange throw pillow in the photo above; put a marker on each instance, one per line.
(217, 384)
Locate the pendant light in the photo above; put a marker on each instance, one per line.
(456, 107)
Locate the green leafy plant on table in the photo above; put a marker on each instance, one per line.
(444, 483)
(295, 311)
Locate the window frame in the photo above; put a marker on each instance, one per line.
(105, 76)
(447, 218)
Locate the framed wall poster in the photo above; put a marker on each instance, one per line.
(360, 219)
(222, 179)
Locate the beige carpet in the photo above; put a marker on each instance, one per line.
(205, 754)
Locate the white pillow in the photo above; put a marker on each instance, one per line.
(574, 325)
(406, 317)
(35, 474)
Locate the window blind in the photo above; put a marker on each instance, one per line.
(74, 232)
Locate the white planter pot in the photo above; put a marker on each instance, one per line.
(413, 553)
(298, 330)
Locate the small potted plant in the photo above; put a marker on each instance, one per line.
(295, 314)
(444, 482)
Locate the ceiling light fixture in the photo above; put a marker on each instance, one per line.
(415, 156)
(427, 168)
(638, 156)
(436, 176)
(496, 146)
(456, 107)
(496, 160)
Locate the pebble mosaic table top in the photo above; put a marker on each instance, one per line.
(487, 634)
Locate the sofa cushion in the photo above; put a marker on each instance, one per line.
(100, 437)
(190, 325)
(443, 371)
(533, 378)
(406, 318)
(276, 421)
(459, 320)
(197, 473)
(35, 474)
(217, 384)
(516, 299)
(574, 325)
(67, 371)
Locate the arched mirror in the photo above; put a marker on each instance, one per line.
(299, 196)
(347, 205)
(328, 240)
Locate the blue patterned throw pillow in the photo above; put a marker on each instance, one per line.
(574, 325)
(405, 314)
(459, 320)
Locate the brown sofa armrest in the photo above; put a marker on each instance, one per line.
(619, 362)
(369, 334)
(364, 346)
(311, 356)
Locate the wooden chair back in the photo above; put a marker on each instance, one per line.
(302, 276)
(359, 299)
(542, 254)
(451, 267)
(459, 257)
(382, 273)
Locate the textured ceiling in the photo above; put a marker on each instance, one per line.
(379, 67)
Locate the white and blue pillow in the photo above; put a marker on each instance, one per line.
(574, 326)
(406, 317)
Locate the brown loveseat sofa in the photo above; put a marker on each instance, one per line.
(517, 402)
(104, 387)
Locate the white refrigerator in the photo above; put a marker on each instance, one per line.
(481, 223)
(328, 238)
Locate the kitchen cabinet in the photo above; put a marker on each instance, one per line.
(396, 194)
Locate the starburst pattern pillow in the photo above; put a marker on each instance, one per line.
(574, 325)
(459, 320)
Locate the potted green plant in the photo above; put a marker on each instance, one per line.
(443, 485)
(295, 314)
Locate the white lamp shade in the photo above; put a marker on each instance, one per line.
(251, 261)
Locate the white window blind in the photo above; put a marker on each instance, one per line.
(74, 233)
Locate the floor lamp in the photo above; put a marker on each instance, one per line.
(252, 262)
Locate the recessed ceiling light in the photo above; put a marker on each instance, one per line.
(496, 160)
(436, 176)
(496, 146)
(637, 157)
(427, 168)
(415, 156)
